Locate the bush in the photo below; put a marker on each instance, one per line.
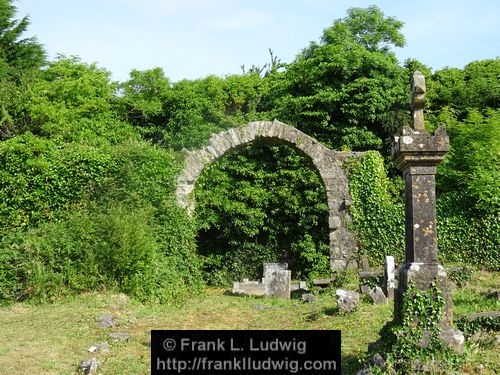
(128, 235)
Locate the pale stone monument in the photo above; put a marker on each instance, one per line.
(389, 277)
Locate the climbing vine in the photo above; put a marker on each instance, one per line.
(378, 210)
(415, 345)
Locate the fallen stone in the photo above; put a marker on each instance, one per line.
(377, 295)
(364, 289)
(323, 283)
(454, 339)
(264, 307)
(89, 366)
(347, 301)
(378, 361)
(119, 336)
(102, 347)
(105, 321)
(308, 298)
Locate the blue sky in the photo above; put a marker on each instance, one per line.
(195, 38)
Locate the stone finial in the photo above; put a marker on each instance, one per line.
(417, 100)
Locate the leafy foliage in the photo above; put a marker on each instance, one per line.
(347, 90)
(262, 204)
(40, 178)
(417, 337)
(485, 323)
(471, 166)
(378, 211)
(16, 53)
(128, 232)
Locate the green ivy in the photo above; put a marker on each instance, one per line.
(377, 210)
(467, 234)
(416, 338)
(414, 343)
(485, 323)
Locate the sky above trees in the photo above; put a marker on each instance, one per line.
(195, 38)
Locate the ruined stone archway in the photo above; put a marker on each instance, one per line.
(327, 162)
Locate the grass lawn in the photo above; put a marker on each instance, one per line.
(54, 338)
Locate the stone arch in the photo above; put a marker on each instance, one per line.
(327, 162)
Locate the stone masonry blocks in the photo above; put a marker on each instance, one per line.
(327, 162)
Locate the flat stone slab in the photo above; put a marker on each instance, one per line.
(322, 282)
(102, 347)
(105, 321)
(370, 274)
(250, 288)
(486, 314)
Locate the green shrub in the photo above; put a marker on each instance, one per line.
(466, 234)
(126, 233)
(40, 178)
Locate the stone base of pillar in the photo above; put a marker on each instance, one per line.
(422, 275)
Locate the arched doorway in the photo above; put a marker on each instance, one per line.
(327, 162)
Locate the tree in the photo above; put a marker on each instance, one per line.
(16, 53)
(141, 102)
(20, 60)
(348, 90)
(475, 86)
(73, 100)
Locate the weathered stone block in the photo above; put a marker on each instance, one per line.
(278, 284)
(347, 301)
(377, 296)
(251, 288)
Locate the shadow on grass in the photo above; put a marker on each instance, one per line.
(350, 365)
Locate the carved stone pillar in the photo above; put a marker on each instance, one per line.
(417, 153)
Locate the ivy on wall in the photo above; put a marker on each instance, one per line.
(377, 210)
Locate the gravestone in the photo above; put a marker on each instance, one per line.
(278, 283)
(417, 153)
(389, 277)
(269, 268)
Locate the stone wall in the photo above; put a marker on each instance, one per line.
(327, 162)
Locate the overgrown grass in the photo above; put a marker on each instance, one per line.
(54, 338)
